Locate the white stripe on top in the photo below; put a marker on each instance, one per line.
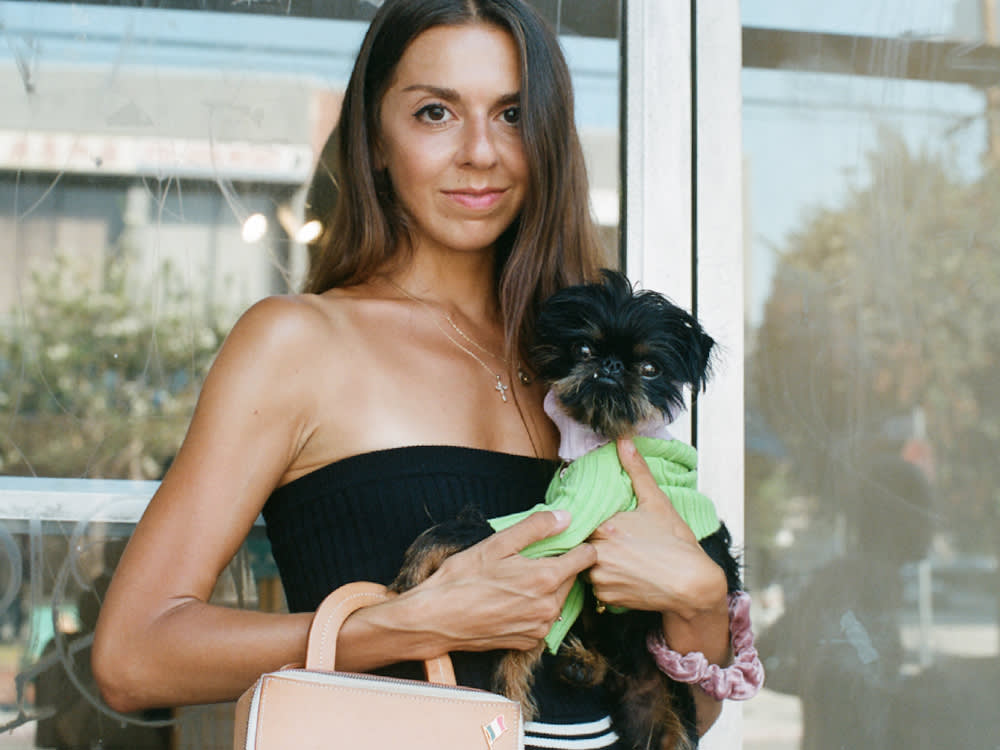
(589, 735)
(571, 730)
(586, 743)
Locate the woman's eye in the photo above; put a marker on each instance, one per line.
(583, 351)
(434, 113)
(511, 115)
(648, 370)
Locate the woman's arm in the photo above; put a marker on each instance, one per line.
(650, 559)
(483, 598)
(159, 642)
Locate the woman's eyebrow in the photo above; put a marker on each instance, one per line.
(438, 91)
(507, 99)
(451, 95)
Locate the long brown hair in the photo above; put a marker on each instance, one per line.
(552, 244)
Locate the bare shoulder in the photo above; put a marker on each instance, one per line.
(274, 359)
(291, 364)
(287, 333)
(284, 323)
(267, 394)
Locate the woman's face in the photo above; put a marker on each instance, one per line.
(450, 136)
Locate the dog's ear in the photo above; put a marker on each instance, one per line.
(688, 347)
(702, 348)
(616, 284)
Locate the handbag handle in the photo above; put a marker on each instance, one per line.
(321, 651)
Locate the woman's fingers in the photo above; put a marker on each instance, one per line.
(507, 600)
(570, 564)
(551, 573)
(636, 467)
(649, 496)
(649, 558)
(534, 528)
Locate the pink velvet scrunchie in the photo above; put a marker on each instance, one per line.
(739, 681)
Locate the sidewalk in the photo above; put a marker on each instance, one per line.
(771, 721)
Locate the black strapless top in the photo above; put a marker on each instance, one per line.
(353, 520)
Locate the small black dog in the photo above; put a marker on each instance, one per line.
(616, 361)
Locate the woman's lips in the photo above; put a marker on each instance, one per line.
(477, 200)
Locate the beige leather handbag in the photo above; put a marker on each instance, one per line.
(318, 708)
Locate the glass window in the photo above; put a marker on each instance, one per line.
(154, 158)
(873, 416)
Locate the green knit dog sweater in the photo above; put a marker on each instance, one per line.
(594, 487)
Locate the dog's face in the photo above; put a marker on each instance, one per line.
(615, 357)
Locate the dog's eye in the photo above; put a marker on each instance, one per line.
(582, 351)
(648, 370)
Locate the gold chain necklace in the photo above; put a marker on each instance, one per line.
(523, 376)
(500, 387)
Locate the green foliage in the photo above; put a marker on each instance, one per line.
(882, 308)
(99, 379)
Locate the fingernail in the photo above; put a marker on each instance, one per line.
(627, 445)
(562, 515)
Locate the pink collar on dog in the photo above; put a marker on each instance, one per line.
(575, 439)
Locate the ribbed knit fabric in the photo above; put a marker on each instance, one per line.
(595, 486)
(354, 519)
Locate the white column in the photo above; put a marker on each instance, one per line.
(657, 133)
(719, 274)
(683, 213)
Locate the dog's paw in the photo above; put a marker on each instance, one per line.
(581, 666)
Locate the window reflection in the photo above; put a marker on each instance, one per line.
(873, 514)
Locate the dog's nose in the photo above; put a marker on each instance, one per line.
(611, 366)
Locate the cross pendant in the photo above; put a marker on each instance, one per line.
(502, 389)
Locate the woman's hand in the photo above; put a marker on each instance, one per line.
(509, 601)
(649, 558)
(485, 597)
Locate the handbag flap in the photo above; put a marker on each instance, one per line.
(317, 711)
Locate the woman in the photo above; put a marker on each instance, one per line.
(394, 393)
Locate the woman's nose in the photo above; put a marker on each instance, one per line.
(478, 148)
